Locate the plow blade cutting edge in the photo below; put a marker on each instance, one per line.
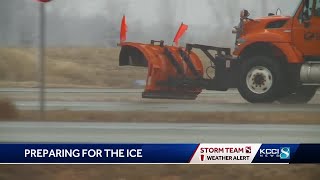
(169, 69)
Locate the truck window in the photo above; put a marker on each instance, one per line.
(317, 9)
(306, 13)
(307, 10)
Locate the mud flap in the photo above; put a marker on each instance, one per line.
(168, 67)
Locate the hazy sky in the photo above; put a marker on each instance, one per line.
(97, 22)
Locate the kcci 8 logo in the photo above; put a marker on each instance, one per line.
(282, 153)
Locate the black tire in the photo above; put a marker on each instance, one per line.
(275, 90)
(302, 95)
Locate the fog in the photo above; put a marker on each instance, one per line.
(97, 22)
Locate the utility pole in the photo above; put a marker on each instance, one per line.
(41, 56)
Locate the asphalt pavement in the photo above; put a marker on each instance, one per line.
(165, 107)
(118, 100)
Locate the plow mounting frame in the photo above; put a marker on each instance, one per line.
(177, 72)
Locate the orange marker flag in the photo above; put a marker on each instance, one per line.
(183, 28)
(124, 29)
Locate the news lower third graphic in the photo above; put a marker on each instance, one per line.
(159, 153)
(225, 153)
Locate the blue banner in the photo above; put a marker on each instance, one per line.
(96, 153)
(159, 153)
(275, 153)
(288, 153)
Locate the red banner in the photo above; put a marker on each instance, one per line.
(183, 28)
(124, 29)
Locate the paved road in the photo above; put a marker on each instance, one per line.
(97, 90)
(130, 100)
(108, 95)
(155, 133)
(93, 90)
(165, 107)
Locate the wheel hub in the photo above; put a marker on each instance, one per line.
(259, 80)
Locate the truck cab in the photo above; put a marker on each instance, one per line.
(279, 55)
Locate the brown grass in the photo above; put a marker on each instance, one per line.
(177, 117)
(7, 110)
(166, 172)
(67, 67)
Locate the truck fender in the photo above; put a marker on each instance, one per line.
(291, 54)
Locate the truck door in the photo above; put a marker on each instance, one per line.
(306, 30)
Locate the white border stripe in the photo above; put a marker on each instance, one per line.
(134, 164)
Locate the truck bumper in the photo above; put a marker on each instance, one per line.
(227, 70)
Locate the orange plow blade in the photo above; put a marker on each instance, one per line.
(169, 69)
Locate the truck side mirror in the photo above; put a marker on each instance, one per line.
(244, 14)
(278, 12)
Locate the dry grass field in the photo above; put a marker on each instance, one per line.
(67, 67)
(7, 110)
(154, 172)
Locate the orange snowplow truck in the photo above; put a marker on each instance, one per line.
(276, 58)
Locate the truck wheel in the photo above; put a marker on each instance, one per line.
(261, 80)
(302, 95)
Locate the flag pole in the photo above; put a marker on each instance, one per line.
(121, 29)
